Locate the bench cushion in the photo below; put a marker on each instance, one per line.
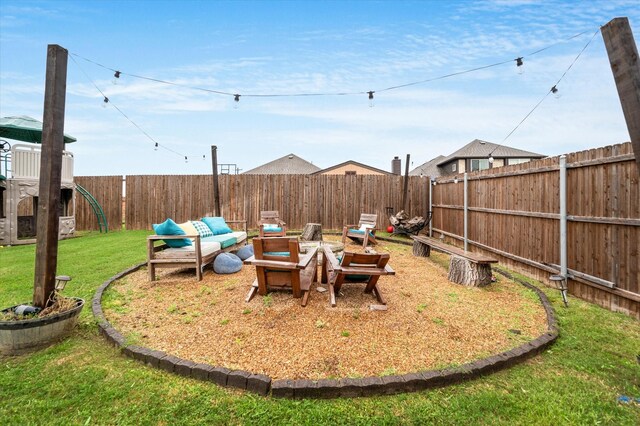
(225, 240)
(206, 248)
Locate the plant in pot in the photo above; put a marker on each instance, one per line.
(50, 316)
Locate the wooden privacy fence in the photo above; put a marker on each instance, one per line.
(514, 212)
(332, 200)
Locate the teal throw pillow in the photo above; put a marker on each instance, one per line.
(169, 227)
(217, 225)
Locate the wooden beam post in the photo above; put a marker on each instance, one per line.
(48, 222)
(625, 65)
(216, 195)
(406, 184)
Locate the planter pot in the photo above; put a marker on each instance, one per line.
(17, 337)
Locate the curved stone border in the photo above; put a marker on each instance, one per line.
(327, 388)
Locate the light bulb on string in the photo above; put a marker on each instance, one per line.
(236, 101)
(371, 101)
(116, 77)
(556, 92)
(203, 157)
(155, 148)
(490, 159)
(105, 102)
(455, 179)
(185, 159)
(520, 65)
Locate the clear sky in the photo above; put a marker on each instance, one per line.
(302, 47)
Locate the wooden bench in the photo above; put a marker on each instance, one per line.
(196, 256)
(465, 267)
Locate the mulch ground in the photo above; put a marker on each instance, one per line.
(430, 322)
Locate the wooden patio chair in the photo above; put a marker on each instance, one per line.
(271, 225)
(279, 266)
(354, 268)
(364, 231)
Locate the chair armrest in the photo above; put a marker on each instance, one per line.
(304, 260)
(389, 270)
(274, 264)
(331, 258)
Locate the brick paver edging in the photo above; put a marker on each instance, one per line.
(327, 388)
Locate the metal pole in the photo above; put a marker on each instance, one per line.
(431, 182)
(406, 184)
(563, 225)
(466, 212)
(216, 195)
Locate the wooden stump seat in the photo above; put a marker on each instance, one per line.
(465, 267)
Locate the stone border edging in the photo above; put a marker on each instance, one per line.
(327, 388)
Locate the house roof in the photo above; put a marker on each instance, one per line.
(288, 165)
(430, 168)
(354, 163)
(482, 149)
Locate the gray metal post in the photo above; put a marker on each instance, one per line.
(466, 211)
(563, 215)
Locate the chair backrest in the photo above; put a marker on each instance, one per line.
(283, 249)
(270, 216)
(368, 219)
(365, 260)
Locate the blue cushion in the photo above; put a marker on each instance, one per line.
(358, 231)
(245, 252)
(217, 225)
(276, 253)
(270, 227)
(169, 227)
(227, 263)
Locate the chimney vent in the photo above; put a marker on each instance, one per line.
(396, 166)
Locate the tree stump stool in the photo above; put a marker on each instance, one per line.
(311, 232)
(464, 271)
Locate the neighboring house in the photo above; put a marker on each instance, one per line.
(476, 155)
(351, 168)
(288, 165)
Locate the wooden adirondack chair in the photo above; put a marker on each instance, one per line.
(354, 267)
(271, 225)
(279, 266)
(364, 231)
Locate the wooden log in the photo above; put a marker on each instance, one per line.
(465, 272)
(312, 232)
(421, 250)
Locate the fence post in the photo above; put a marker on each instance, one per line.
(432, 182)
(563, 215)
(466, 211)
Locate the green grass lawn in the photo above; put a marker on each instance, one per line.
(83, 380)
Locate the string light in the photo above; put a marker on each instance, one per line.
(155, 148)
(236, 96)
(520, 65)
(186, 160)
(556, 92)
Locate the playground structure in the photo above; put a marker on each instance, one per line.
(19, 190)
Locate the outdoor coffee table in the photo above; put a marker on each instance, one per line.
(335, 246)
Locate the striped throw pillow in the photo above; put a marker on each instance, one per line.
(202, 228)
